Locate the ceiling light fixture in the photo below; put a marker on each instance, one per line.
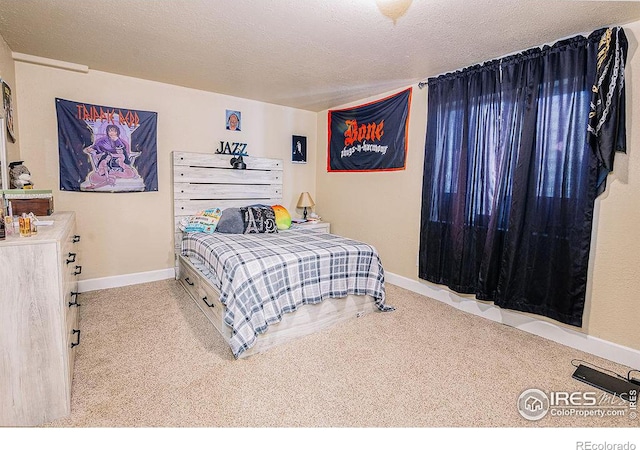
(393, 9)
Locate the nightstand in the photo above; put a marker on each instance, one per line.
(317, 226)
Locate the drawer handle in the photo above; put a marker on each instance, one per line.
(75, 299)
(71, 258)
(189, 282)
(76, 238)
(212, 305)
(73, 344)
(78, 270)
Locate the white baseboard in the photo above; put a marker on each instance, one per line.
(125, 280)
(571, 338)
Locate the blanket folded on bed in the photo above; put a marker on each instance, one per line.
(263, 276)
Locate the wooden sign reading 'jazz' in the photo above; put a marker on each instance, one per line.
(232, 148)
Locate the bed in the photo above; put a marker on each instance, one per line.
(262, 290)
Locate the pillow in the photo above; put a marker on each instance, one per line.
(203, 222)
(231, 222)
(283, 218)
(259, 219)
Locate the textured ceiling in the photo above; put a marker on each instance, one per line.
(308, 54)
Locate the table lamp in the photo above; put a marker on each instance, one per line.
(305, 201)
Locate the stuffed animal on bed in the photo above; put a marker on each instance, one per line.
(19, 176)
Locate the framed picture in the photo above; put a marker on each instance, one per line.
(299, 149)
(8, 110)
(4, 175)
(233, 120)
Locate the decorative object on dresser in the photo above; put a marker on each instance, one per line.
(37, 201)
(252, 320)
(19, 176)
(39, 323)
(305, 201)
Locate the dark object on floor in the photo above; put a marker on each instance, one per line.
(608, 383)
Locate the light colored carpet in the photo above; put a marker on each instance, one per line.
(150, 358)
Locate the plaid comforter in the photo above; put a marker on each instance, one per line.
(263, 276)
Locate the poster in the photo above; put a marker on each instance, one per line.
(106, 149)
(370, 137)
(299, 149)
(233, 120)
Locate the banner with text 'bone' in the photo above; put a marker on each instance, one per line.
(370, 137)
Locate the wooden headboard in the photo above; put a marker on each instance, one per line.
(207, 180)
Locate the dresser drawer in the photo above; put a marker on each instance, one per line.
(72, 334)
(71, 268)
(69, 254)
(189, 278)
(209, 303)
(204, 294)
(71, 309)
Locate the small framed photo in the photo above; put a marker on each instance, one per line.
(233, 120)
(299, 149)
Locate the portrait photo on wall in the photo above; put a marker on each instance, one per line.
(233, 120)
(8, 110)
(106, 149)
(299, 149)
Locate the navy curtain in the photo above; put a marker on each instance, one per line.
(510, 177)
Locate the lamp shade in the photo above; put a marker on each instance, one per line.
(305, 200)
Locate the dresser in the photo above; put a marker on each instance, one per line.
(39, 322)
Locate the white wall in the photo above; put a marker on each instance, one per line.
(129, 233)
(7, 73)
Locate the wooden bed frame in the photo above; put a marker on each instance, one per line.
(201, 181)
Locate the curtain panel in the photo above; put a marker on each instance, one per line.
(511, 174)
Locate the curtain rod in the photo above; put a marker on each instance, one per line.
(422, 84)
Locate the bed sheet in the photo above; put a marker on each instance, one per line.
(263, 276)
